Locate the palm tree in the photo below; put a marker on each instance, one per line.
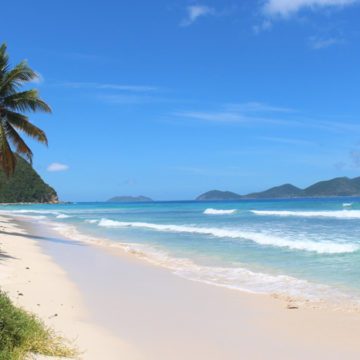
(13, 104)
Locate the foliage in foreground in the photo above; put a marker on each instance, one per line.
(22, 333)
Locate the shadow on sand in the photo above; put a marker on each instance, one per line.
(42, 238)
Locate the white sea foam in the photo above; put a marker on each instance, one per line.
(91, 221)
(211, 211)
(338, 214)
(321, 247)
(34, 217)
(238, 278)
(62, 216)
(23, 211)
(347, 205)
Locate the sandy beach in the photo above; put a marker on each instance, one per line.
(116, 306)
(35, 282)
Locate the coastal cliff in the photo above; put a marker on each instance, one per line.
(25, 186)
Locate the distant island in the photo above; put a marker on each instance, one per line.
(341, 186)
(25, 186)
(130, 199)
(219, 195)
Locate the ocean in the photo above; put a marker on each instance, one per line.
(303, 248)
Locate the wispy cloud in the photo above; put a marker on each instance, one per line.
(355, 157)
(204, 171)
(117, 93)
(255, 114)
(287, 141)
(252, 112)
(56, 167)
(129, 98)
(194, 12)
(263, 26)
(318, 43)
(108, 86)
(259, 107)
(286, 8)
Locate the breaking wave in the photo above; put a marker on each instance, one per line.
(238, 278)
(338, 214)
(321, 247)
(211, 211)
(62, 216)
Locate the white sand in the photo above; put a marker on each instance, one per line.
(151, 314)
(35, 282)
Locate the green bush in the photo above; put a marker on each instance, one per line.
(22, 333)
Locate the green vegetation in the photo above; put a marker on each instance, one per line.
(282, 191)
(341, 186)
(216, 195)
(25, 186)
(13, 103)
(22, 333)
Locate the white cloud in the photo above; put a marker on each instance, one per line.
(55, 167)
(196, 11)
(287, 8)
(322, 43)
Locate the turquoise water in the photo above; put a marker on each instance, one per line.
(307, 248)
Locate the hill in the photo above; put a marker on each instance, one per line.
(341, 186)
(218, 195)
(130, 199)
(282, 191)
(25, 186)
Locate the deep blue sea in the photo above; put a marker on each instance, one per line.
(304, 248)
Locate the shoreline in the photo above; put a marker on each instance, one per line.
(313, 297)
(162, 315)
(36, 283)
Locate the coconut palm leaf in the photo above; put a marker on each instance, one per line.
(22, 123)
(18, 142)
(7, 157)
(25, 101)
(13, 105)
(14, 78)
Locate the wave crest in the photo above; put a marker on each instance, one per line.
(62, 216)
(324, 247)
(338, 214)
(238, 278)
(211, 211)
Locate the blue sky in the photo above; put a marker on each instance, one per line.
(172, 98)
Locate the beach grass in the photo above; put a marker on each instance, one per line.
(22, 333)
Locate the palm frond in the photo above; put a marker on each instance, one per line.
(22, 123)
(14, 78)
(26, 101)
(4, 59)
(7, 157)
(18, 142)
